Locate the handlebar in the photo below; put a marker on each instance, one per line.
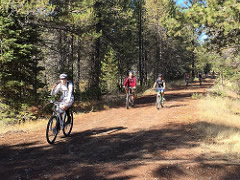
(158, 88)
(129, 88)
(54, 102)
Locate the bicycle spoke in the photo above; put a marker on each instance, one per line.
(52, 130)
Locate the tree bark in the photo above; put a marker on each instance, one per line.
(140, 45)
(78, 67)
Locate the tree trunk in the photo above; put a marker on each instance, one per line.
(78, 67)
(193, 66)
(61, 52)
(140, 65)
(72, 57)
(96, 60)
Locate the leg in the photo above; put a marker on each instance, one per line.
(65, 107)
(68, 115)
(162, 92)
(126, 90)
(133, 96)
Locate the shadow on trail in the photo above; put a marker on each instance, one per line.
(222, 166)
(119, 101)
(176, 96)
(151, 99)
(101, 154)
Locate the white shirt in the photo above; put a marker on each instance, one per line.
(67, 92)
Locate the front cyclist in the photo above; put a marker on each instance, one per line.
(66, 88)
(160, 85)
(130, 82)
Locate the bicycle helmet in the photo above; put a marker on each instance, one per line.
(63, 76)
(130, 72)
(160, 75)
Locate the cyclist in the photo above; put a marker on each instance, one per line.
(130, 82)
(67, 98)
(187, 77)
(213, 75)
(160, 84)
(200, 78)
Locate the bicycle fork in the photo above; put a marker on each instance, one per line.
(61, 118)
(160, 99)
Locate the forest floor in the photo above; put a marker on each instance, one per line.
(138, 143)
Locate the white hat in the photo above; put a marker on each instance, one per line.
(63, 76)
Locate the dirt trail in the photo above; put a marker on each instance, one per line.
(139, 143)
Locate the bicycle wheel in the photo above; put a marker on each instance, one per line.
(161, 101)
(158, 102)
(52, 129)
(68, 124)
(127, 101)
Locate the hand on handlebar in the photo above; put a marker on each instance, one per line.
(54, 86)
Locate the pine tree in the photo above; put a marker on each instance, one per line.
(19, 60)
(109, 69)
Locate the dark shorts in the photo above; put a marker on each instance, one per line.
(131, 90)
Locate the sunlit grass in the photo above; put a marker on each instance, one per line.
(27, 126)
(220, 124)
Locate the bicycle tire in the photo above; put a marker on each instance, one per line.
(161, 102)
(50, 128)
(68, 125)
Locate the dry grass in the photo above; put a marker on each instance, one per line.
(220, 123)
(23, 127)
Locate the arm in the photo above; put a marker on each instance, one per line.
(164, 85)
(154, 86)
(70, 91)
(134, 82)
(55, 90)
(125, 83)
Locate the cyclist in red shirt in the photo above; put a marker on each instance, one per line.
(130, 82)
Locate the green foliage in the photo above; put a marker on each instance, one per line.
(9, 115)
(109, 78)
(197, 96)
(107, 38)
(91, 94)
(18, 60)
(207, 68)
(36, 7)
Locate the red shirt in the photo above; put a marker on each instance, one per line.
(130, 82)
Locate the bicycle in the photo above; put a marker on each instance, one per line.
(159, 98)
(200, 81)
(129, 101)
(186, 82)
(57, 122)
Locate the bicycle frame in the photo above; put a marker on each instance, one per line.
(128, 98)
(159, 97)
(130, 91)
(58, 114)
(57, 122)
(159, 91)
